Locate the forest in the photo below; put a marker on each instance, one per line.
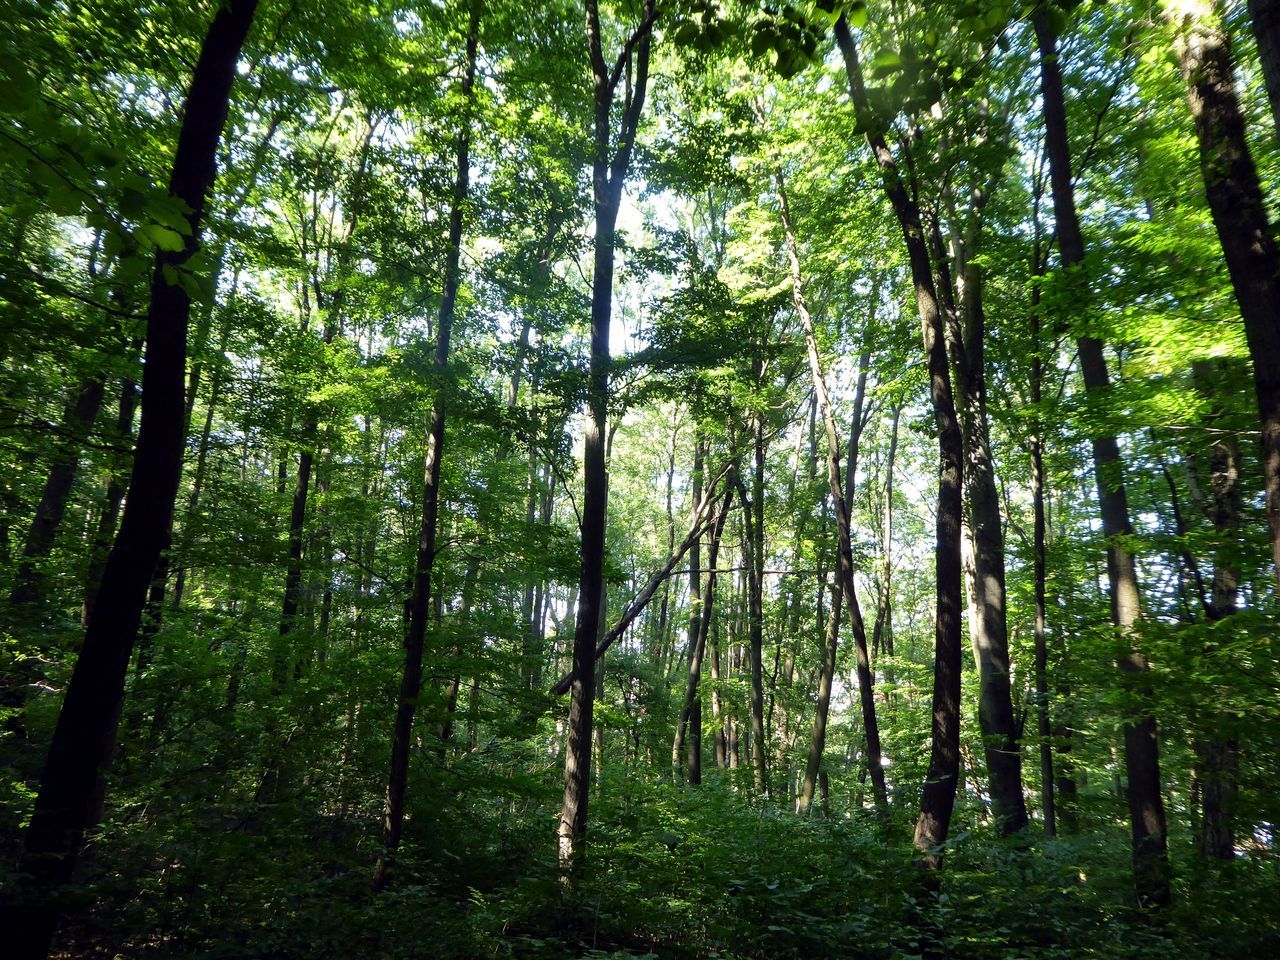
(639, 479)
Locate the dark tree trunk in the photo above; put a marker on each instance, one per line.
(882, 635)
(1142, 760)
(293, 575)
(202, 457)
(694, 661)
(1218, 757)
(420, 598)
(753, 552)
(1240, 215)
(939, 793)
(691, 714)
(77, 421)
(991, 638)
(826, 675)
(609, 174)
(85, 736)
(1266, 30)
(1044, 726)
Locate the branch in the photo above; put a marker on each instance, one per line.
(645, 27)
(702, 519)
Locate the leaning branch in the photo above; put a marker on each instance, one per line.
(703, 517)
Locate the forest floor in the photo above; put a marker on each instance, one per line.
(672, 873)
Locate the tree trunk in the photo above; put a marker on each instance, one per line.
(1218, 757)
(826, 676)
(882, 635)
(991, 638)
(694, 662)
(866, 688)
(1266, 30)
(1239, 211)
(1044, 726)
(85, 736)
(1142, 761)
(420, 598)
(691, 715)
(77, 422)
(753, 551)
(939, 793)
(116, 485)
(609, 174)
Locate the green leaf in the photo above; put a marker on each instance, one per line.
(887, 60)
(687, 33)
(161, 237)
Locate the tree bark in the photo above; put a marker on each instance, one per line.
(939, 793)
(1266, 31)
(116, 484)
(991, 638)
(1218, 756)
(609, 173)
(420, 598)
(753, 551)
(85, 736)
(694, 660)
(1043, 720)
(1142, 760)
(1239, 213)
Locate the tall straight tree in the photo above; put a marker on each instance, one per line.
(845, 571)
(1239, 214)
(85, 737)
(1142, 757)
(420, 599)
(989, 627)
(611, 163)
(939, 794)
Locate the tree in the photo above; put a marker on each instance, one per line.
(610, 165)
(1142, 763)
(67, 804)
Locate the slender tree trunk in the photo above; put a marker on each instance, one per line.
(202, 449)
(1218, 756)
(1239, 210)
(991, 639)
(1142, 760)
(293, 575)
(609, 173)
(866, 688)
(1044, 725)
(116, 485)
(660, 638)
(695, 615)
(826, 676)
(753, 551)
(77, 422)
(85, 736)
(719, 743)
(939, 793)
(420, 598)
(882, 636)
(690, 715)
